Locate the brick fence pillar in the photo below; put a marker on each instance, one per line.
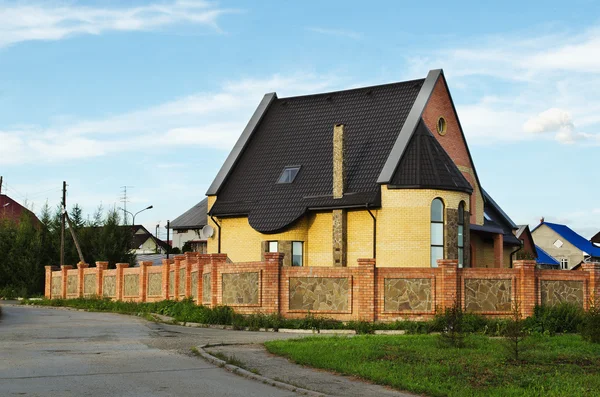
(449, 292)
(144, 265)
(271, 282)
(80, 286)
(202, 259)
(175, 267)
(216, 260)
(526, 293)
(366, 289)
(119, 281)
(166, 268)
(64, 269)
(190, 258)
(48, 284)
(593, 270)
(100, 268)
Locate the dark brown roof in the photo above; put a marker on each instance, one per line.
(298, 131)
(425, 164)
(596, 238)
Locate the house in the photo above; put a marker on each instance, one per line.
(564, 244)
(379, 172)
(523, 233)
(12, 211)
(545, 260)
(596, 239)
(187, 227)
(144, 242)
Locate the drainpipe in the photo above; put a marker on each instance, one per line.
(374, 231)
(514, 252)
(219, 240)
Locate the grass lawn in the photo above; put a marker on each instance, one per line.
(562, 365)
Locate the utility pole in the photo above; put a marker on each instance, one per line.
(62, 224)
(0, 184)
(168, 245)
(124, 201)
(72, 230)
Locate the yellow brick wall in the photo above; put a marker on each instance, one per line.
(476, 193)
(404, 227)
(360, 236)
(484, 253)
(318, 248)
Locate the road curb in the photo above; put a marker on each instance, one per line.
(250, 375)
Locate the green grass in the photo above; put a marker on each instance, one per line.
(562, 365)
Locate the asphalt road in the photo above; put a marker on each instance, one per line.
(49, 352)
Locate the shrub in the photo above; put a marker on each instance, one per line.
(452, 322)
(558, 319)
(362, 327)
(590, 329)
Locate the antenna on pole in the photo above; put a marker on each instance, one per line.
(124, 200)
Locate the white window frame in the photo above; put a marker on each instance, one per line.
(564, 264)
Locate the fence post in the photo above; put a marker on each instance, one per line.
(593, 270)
(64, 270)
(216, 260)
(119, 281)
(166, 268)
(144, 279)
(176, 266)
(100, 268)
(527, 286)
(189, 259)
(202, 259)
(450, 291)
(48, 285)
(271, 282)
(366, 289)
(80, 286)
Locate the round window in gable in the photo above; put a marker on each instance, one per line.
(441, 126)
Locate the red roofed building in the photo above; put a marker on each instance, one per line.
(12, 211)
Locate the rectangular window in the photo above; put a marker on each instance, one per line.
(461, 242)
(273, 246)
(297, 253)
(289, 174)
(436, 253)
(564, 264)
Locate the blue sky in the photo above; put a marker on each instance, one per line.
(154, 94)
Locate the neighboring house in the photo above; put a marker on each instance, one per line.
(187, 227)
(13, 211)
(528, 247)
(596, 239)
(545, 260)
(144, 242)
(378, 172)
(562, 243)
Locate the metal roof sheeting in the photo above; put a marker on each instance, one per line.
(194, 218)
(543, 258)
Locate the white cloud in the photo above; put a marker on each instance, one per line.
(336, 32)
(206, 119)
(549, 84)
(33, 21)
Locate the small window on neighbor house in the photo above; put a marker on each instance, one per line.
(273, 246)
(564, 263)
(558, 243)
(289, 174)
(297, 253)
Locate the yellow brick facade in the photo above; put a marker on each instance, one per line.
(403, 231)
(477, 195)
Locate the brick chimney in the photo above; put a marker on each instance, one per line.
(339, 217)
(339, 171)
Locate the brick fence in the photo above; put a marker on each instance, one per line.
(362, 292)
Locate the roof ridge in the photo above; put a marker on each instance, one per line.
(365, 88)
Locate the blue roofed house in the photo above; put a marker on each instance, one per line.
(544, 260)
(561, 242)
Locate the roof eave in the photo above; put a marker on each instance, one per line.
(243, 140)
(409, 127)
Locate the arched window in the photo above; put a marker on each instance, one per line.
(437, 231)
(461, 232)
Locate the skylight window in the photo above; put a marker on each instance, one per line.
(486, 216)
(289, 174)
